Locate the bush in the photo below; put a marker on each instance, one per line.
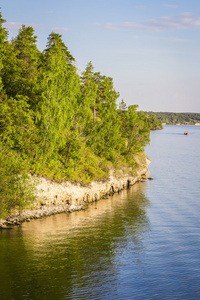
(17, 190)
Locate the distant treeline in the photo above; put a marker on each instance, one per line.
(170, 118)
(57, 123)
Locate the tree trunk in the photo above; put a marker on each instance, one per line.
(94, 114)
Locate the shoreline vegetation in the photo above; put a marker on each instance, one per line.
(58, 124)
(170, 118)
(54, 198)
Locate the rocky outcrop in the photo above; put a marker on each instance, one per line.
(55, 197)
(66, 193)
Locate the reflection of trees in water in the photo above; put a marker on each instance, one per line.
(23, 274)
(80, 250)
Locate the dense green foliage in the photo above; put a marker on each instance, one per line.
(56, 123)
(3, 37)
(155, 122)
(170, 118)
(17, 190)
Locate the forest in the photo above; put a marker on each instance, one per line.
(57, 123)
(170, 118)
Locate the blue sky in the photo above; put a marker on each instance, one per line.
(151, 48)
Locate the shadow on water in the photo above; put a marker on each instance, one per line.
(68, 256)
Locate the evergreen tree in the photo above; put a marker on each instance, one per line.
(122, 107)
(17, 129)
(105, 135)
(3, 38)
(87, 99)
(21, 66)
(59, 90)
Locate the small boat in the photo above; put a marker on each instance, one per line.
(185, 133)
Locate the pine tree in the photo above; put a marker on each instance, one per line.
(105, 135)
(87, 100)
(21, 66)
(3, 38)
(59, 89)
(122, 107)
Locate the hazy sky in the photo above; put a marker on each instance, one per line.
(151, 48)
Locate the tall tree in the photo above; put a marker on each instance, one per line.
(135, 130)
(105, 135)
(3, 38)
(87, 99)
(21, 66)
(59, 89)
(122, 107)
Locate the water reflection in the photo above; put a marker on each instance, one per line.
(69, 256)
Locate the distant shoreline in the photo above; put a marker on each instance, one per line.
(197, 124)
(171, 118)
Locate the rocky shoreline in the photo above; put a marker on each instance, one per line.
(53, 198)
(26, 216)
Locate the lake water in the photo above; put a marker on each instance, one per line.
(141, 244)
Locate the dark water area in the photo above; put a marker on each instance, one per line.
(141, 244)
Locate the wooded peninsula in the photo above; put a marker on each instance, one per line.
(57, 123)
(170, 118)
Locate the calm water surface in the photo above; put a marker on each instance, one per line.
(141, 244)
